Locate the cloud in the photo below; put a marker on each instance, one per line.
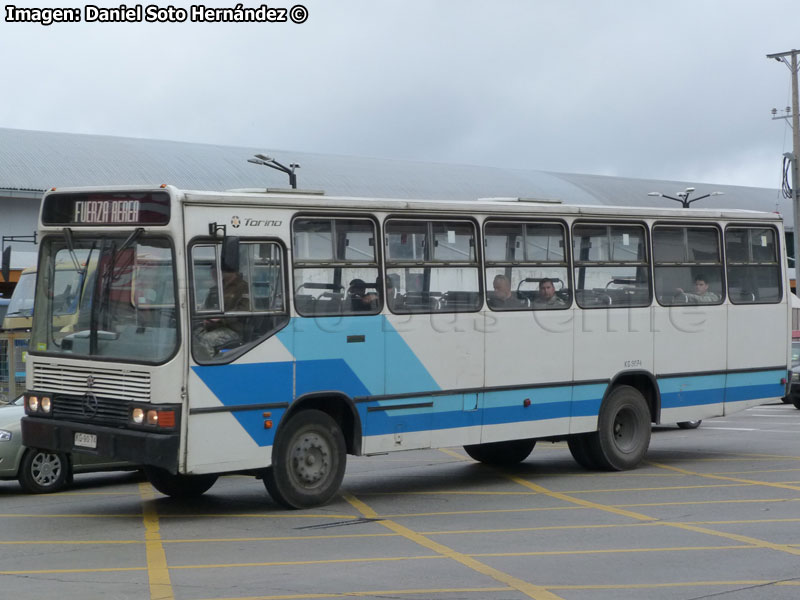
(672, 91)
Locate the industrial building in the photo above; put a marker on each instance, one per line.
(33, 161)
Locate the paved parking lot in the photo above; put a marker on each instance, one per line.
(713, 513)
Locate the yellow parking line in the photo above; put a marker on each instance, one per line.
(62, 571)
(783, 486)
(294, 563)
(529, 589)
(639, 586)
(373, 593)
(694, 502)
(754, 542)
(609, 551)
(157, 569)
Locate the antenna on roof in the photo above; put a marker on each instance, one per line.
(268, 161)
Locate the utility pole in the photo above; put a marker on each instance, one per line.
(791, 62)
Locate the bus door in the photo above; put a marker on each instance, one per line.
(241, 378)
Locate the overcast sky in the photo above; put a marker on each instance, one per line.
(673, 89)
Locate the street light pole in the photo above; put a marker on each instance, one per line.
(792, 64)
(683, 197)
(268, 161)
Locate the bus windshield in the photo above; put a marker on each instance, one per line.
(121, 301)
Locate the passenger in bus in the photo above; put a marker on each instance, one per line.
(360, 300)
(503, 298)
(218, 334)
(701, 295)
(547, 297)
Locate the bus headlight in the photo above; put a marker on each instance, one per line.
(154, 418)
(35, 405)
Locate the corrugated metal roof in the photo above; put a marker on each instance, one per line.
(41, 159)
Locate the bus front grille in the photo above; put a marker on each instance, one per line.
(113, 385)
(96, 409)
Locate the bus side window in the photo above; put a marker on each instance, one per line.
(335, 266)
(433, 266)
(753, 269)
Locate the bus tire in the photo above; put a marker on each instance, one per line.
(581, 449)
(177, 485)
(501, 453)
(42, 472)
(309, 458)
(623, 434)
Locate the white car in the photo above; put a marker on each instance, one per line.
(39, 471)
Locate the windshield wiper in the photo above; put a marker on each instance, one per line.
(71, 248)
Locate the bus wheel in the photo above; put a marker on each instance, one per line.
(177, 485)
(623, 434)
(41, 472)
(501, 453)
(308, 461)
(581, 449)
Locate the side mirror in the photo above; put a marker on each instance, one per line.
(230, 254)
(6, 268)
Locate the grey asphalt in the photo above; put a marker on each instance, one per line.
(712, 513)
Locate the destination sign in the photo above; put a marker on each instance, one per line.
(106, 212)
(98, 208)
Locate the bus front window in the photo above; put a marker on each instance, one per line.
(114, 300)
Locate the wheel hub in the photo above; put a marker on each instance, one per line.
(625, 430)
(311, 459)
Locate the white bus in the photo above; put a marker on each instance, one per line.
(366, 326)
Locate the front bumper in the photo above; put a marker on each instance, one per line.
(138, 447)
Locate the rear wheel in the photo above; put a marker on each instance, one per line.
(41, 472)
(623, 434)
(501, 453)
(308, 461)
(177, 485)
(796, 403)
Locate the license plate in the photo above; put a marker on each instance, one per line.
(86, 440)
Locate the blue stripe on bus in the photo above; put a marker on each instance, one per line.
(586, 399)
(677, 392)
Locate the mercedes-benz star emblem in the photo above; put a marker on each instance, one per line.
(89, 405)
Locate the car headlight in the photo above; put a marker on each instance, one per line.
(4, 435)
(795, 376)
